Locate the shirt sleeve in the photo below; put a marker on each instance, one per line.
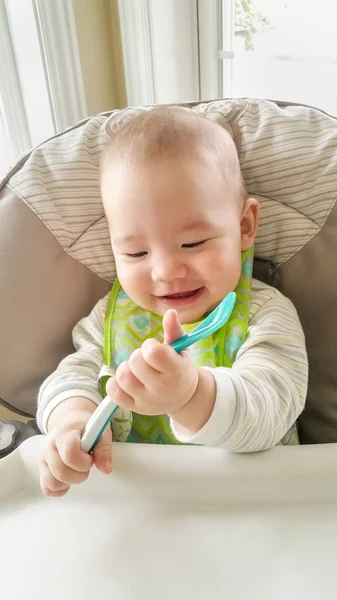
(77, 374)
(259, 399)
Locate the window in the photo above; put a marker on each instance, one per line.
(41, 89)
(160, 50)
(277, 49)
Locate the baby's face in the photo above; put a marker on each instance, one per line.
(175, 234)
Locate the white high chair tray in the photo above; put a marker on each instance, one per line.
(174, 522)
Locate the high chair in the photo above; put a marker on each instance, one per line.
(189, 521)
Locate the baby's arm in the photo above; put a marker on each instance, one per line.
(253, 405)
(76, 376)
(65, 403)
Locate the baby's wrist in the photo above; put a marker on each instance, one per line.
(192, 417)
(72, 409)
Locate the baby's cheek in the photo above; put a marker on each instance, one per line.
(217, 267)
(134, 283)
(228, 263)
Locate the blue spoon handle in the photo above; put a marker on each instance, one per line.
(182, 343)
(216, 319)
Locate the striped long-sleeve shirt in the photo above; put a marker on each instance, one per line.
(257, 400)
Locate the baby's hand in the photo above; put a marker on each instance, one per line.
(156, 380)
(63, 463)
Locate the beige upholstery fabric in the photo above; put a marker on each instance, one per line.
(288, 156)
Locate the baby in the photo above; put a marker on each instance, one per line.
(182, 230)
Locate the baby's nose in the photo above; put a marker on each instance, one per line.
(168, 269)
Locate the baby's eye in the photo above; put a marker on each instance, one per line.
(137, 254)
(194, 244)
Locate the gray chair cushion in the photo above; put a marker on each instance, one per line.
(43, 292)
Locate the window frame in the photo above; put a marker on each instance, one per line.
(216, 34)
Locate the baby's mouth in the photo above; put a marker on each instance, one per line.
(188, 294)
(181, 298)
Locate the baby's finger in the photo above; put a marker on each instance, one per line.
(47, 492)
(103, 452)
(173, 329)
(129, 375)
(50, 486)
(60, 471)
(160, 357)
(119, 396)
(68, 446)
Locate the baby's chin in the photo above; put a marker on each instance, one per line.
(188, 315)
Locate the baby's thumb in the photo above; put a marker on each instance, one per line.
(172, 327)
(103, 452)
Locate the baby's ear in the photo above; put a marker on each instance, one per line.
(249, 222)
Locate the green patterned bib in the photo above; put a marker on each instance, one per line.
(127, 326)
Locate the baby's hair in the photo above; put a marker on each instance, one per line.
(173, 132)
